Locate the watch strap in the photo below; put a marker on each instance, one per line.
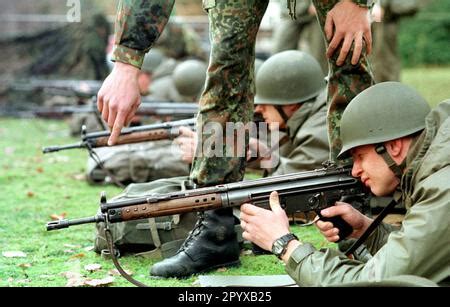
(285, 241)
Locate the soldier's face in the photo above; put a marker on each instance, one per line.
(271, 116)
(373, 171)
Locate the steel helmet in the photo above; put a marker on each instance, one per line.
(152, 60)
(189, 77)
(383, 112)
(288, 77)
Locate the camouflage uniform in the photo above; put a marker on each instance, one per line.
(344, 82)
(227, 97)
(229, 89)
(180, 41)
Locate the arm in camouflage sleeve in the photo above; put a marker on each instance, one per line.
(138, 25)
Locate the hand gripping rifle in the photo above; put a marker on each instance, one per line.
(298, 192)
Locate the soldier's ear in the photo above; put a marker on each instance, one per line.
(396, 148)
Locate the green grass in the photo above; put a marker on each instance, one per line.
(34, 186)
(433, 83)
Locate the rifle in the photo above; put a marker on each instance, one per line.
(79, 88)
(153, 132)
(298, 192)
(146, 108)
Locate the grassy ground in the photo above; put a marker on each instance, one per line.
(432, 83)
(33, 187)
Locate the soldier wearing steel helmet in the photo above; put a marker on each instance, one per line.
(400, 148)
(184, 83)
(291, 96)
(291, 92)
(228, 96)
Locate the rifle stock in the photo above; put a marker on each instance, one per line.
(298, 192)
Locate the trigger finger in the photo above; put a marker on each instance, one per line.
(324, 226)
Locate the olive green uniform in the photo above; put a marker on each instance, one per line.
(307, 147)
(421, 246)
(385, 59)
(132, 163)
(289, 32)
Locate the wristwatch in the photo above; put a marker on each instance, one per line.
(364, 3)
(279, 245)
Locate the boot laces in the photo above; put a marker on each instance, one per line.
(199, 225)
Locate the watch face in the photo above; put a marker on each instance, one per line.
(277, 247)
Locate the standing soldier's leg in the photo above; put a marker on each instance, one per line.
(385, 58)
(229, 91)
(344, 82)
(228, 97)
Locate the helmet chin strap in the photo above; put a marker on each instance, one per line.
(397, 169)
(282, 114)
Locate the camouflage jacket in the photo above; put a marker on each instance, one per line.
(308, 146)
(421, 246)
(139, 24)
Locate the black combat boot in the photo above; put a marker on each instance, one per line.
(211, 244)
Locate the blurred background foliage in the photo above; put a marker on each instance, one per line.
(424, 39)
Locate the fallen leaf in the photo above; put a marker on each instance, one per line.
(30, 194)
(71, 245)
(22, 281)
(14, 254)
(99, 282)
(57, 217)
(89, 248)
(58, 159)
(79, 177)
(80, 255)
(9, 150)
(92, 267)
(40, 170)
(73, 279)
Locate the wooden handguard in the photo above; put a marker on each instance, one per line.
(168, 207)
(136, 137)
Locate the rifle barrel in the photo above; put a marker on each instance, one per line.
(64, 147)
(67, 223)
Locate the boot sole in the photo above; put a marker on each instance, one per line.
(209, 269)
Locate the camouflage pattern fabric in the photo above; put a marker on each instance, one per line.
(344, 82)
(180, 41)
(139, 24)
(229, 90)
